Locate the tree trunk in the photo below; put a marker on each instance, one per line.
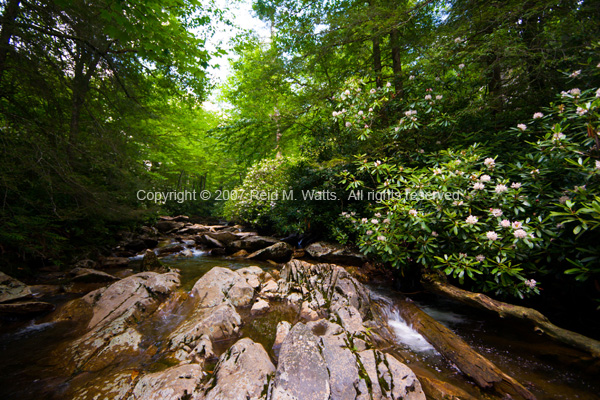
(8, 26)
(79, 89)
(485, 374)
(396, 61)
(540, 322)
(377, 61)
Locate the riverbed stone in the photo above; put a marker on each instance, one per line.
(334, 253)
(12, 289)
(279, 252)
(115, 313)
(283, 328)
(301, 370)
(260, 307)
(174, 383)
(243, 372)
(252, 243)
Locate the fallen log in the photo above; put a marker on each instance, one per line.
(540, 322)
(482, 371)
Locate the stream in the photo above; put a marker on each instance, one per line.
(550, 371)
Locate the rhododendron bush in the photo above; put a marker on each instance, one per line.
(498, 224)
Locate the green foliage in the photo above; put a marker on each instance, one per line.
(487, 220)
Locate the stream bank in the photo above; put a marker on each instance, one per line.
(175, 334)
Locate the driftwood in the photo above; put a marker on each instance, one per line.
(485, 374)
(540, 322)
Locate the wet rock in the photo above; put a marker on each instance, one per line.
(279, 252)
(177, 218)
(168, 226)
(150, 262)
(115, 262)
(243, 372)
(240, 254)
(193, 229)
(253, 275)
(283, 328)
(174, 383)
(334, 253)
(214, 315)
(223, 237)
(252, 243)
(90, 276)
(301, 370)
(45, 290)
(210, 241)
(169, 249)
(187, 253)
(115, 312)
(12, 289)
(260, 307)
(25, 307)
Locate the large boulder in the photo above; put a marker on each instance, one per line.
(319, 360)
(279, 252)
(243, 372)
(214, 317)
(252, 243)
(334, 253)
(113, 314)
(301, 370)
(12, 289)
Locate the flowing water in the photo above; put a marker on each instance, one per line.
(549, 370)
(29, 372)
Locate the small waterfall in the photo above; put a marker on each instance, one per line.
(403, 332)
(407, 335)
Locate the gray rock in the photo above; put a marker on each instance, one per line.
(390, 379)
(335, 253)
(243, 372)
(283, 328)
(252, 243)
(174, 383)
(115, 312)
(301, 371)
(219, 284)
(168, 226)
(260, 307)
(216, 294)
(90, 275)
(210, 241)
(12, 289)
(279, 252)
(223, 237)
